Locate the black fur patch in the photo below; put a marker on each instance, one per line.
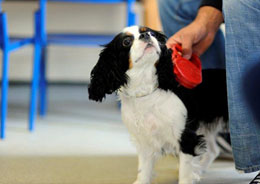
(190, 142)
(109, 73)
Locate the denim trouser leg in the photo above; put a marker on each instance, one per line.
(176, 14)
(242, 19)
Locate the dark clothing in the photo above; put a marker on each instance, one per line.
(214, 3)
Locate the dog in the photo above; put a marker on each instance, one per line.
(162, 116)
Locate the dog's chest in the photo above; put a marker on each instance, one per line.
(156, 120)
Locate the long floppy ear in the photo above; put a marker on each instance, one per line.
(109, 73)
(164, 67)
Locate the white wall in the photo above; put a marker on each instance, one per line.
(64, 63)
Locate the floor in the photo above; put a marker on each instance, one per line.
(81, 142)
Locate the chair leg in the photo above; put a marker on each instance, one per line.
(4, 104)
(43, 84)
(34, 86)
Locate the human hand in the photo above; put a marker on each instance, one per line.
(199, 35)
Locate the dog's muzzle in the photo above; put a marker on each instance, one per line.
(145, 37)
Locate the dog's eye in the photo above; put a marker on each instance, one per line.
(127, 41)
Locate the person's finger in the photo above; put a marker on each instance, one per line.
(187, 43)
(171, 42)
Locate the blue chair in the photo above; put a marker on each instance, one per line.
(7, 45)
(69, 39)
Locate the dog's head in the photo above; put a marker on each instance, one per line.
(132, 48)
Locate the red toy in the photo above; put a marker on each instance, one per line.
(188, 72)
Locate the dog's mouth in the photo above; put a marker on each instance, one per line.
(147, 47)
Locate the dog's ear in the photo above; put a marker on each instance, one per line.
(164, 67)
(109, 73)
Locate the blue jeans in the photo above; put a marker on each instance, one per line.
(242, 51)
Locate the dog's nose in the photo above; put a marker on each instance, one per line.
(145, 36)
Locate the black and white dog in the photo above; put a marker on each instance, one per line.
(161, 116)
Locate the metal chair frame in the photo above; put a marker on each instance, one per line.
(9, 44)
(68, 39)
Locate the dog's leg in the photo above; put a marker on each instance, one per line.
(189, 173)
(212, 152)
(146, 160)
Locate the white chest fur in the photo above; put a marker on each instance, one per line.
(156, 120)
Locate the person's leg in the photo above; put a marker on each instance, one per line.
(251, 91)
(251, 88)
(176, 14)
(242, 51)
